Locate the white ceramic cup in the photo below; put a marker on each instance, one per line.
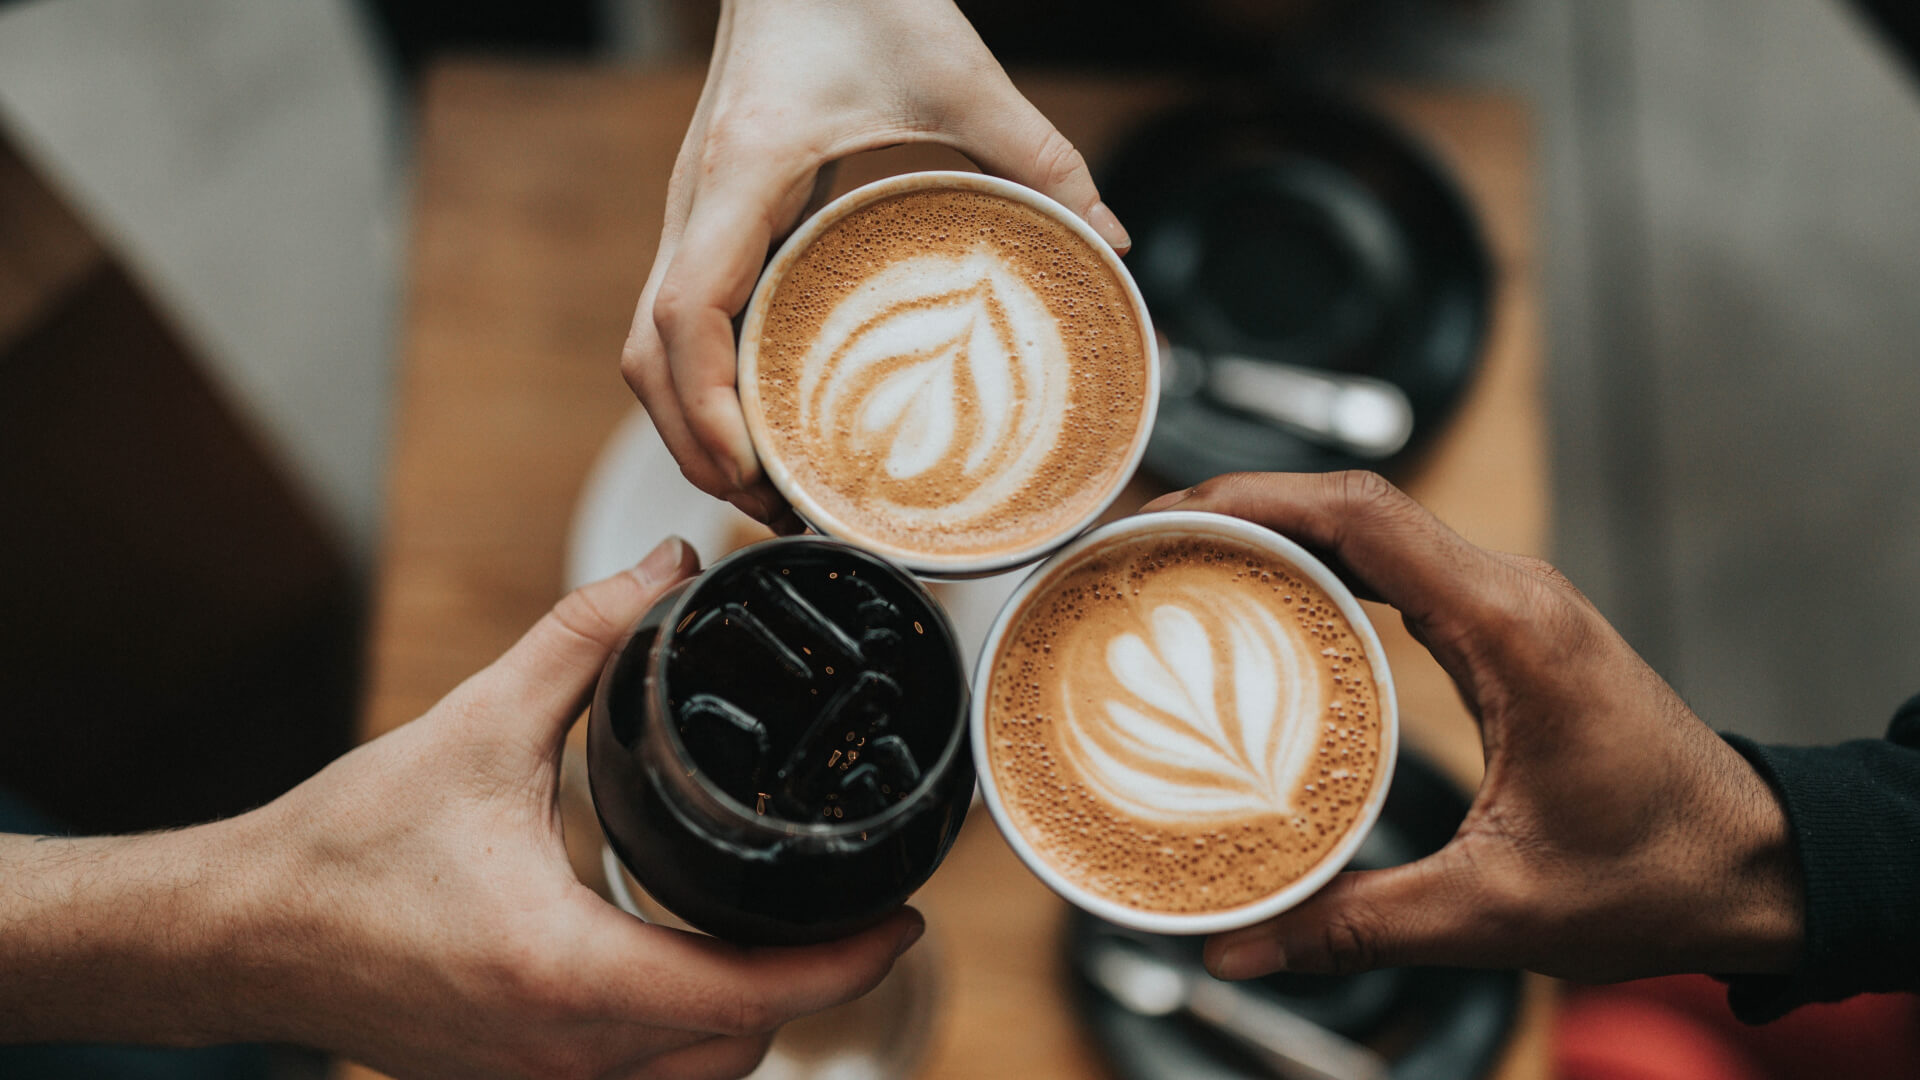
(1189, 523)
(927, 563)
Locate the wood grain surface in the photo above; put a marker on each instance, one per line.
(538, 203)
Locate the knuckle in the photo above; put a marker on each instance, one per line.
(671, 306)
(577, 614)
(1543, 570)
(639, 358)
(1363, 490)
(1350, 943)
(1057, 161)
(1541, 614)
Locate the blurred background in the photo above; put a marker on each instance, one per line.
(1728, 248)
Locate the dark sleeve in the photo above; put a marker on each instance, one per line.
(1854, 810)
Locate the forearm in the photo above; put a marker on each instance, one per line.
(130, 939)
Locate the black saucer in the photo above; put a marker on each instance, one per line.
(1431, 1023)
(1293, 225)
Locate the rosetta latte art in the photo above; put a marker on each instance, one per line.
(1209, 711)
(1182, 721)
(948, 375)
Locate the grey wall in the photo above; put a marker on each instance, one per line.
(1779, 152)
(238, 153)
(1731, 251)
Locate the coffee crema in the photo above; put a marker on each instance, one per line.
(951, 371)
(1182, 723)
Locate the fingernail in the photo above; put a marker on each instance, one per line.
(1109, 228)
(907, 939)
(1245, 959)
(662, 561)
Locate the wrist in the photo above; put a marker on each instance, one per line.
(1766, 928)
(229, 932)
(196, 951)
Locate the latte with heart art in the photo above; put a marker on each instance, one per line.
(948, 375)
(1182, 722)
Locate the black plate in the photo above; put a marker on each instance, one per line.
(1432, 1023)
(1293, 225)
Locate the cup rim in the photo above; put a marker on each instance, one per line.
(1295, 891)
(744, 816)
(746, 370)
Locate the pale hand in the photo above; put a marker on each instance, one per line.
(793, 86)
(411, 906)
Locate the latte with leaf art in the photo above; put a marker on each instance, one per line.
(948, 373)
(1182, 722)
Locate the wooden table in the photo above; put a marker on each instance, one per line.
(539, 200)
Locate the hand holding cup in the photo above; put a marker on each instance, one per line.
(1614, 835)
(793, 86)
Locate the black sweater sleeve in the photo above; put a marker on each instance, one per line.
(1854, 810)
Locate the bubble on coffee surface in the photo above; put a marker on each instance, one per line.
(952, 371)
(1182, 724)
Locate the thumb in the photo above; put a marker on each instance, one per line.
(1010, 138)
(1426, 912)
(694, 982)
(538, 684)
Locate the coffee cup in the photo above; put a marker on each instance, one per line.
(949, 370)
(1183, 723)
(778, 751)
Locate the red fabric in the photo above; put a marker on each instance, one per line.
(1621, 1037)
(1680, 1027)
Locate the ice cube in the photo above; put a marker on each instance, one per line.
(896, 769)
(705, 636)
(805, 786)
(880, 645)
(859, 793)
(728, 744)
(799, 621)
(878, 621)
(873, 609)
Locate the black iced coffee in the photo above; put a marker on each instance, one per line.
(778, 753)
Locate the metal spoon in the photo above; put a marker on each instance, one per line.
(1367, 418)
(1294, 1047)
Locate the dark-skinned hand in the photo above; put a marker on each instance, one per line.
(1614, 835)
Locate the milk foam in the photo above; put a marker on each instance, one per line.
(940, 363)
(951, 372)
(1206, 712)
(1181, 723)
